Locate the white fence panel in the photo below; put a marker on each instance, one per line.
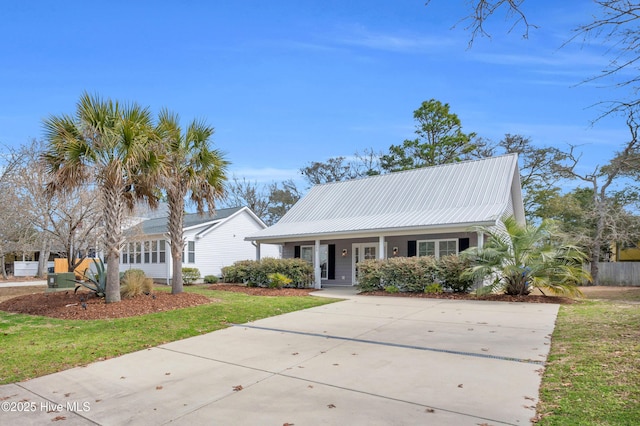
(27, 268)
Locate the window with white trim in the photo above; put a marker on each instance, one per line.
(437, 248)
(147, 251)
(162, 251)
(191, 247)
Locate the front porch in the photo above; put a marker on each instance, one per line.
(335, 260)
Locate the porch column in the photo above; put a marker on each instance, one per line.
(381, 253)
(316, 266)
(480, 239)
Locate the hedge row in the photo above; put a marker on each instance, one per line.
(256, 273)
(414, 274)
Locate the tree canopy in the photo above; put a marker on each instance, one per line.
(440, 140)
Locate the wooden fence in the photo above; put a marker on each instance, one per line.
(618, 273)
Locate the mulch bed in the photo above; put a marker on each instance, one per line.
(67, 305)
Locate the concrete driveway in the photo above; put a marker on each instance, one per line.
(366, 360)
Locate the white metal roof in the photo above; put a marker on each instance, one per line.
(457, 194)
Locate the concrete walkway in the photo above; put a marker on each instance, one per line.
(366, 360)
(22, 283)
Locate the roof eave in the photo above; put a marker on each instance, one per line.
(364, 233)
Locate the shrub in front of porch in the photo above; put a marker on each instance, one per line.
(408, 274)
(450, 273)
(414, 274)
(256, 273)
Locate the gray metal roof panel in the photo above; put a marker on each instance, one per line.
(466, 192)
(159, 225)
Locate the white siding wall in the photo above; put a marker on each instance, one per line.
(225, 245)
(219, 247)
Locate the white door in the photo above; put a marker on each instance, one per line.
(361, 252)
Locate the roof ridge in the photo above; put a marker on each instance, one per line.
(472, 160)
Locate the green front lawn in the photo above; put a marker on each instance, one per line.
(34, 346)
(593, 372)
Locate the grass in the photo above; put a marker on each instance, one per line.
(35, 346)
(592, 375)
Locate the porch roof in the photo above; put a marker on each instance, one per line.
(454, 195)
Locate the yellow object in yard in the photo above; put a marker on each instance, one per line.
(60, 265)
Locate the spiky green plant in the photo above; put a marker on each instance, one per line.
(96, 281)
(519, 258)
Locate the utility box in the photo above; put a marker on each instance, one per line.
(61, 281)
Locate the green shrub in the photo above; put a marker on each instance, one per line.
(277, 280)
(433, 288)
(408, 274)
(451, 273)
(238, 272)
(210, 279)
(370, 275)
(392, 289)
(190, 275)
(256, 273)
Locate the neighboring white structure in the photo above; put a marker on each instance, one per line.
(432, 211)
(212, 242)
(27, 268)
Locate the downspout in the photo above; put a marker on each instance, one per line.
(257, 246)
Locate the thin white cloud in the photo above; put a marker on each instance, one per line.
(265, 174)
(393, 42)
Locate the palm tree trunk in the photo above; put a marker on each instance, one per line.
(113, 214)
(176, 234)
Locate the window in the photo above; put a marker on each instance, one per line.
(131, 253)
(162, 251)
(426, 248)
(138, 252)
(147, 245)
(154, 251)
(447, 248)
(191, 246)
(125, 254)
(437, 248)
(307, 253)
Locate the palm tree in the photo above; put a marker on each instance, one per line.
(520, 258)
(190, 167)
(106, 144)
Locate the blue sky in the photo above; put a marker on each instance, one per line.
(289, 82)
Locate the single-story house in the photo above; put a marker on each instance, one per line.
(212, 242)
(427, 211)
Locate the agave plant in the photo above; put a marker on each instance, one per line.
(94, 281)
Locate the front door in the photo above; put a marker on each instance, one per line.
(361, 252)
